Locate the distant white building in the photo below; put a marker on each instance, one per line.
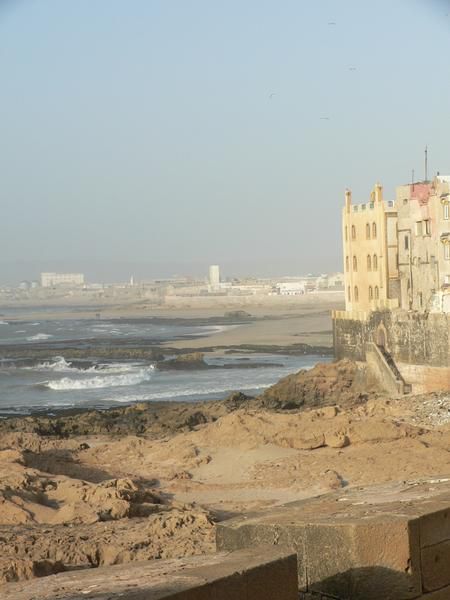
(214, 276)
(61, 279)
(291, 288)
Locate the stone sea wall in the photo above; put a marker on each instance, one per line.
(419, 343)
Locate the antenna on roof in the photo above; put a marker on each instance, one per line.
(426, 163)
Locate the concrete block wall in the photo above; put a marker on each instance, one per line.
(357, 550)
(249, 574)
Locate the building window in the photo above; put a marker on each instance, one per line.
(369, 262)
(446, 211)
(419, 228)
(346, 233)
(447, 251)
(377, 293)
(427, 227)
(355, 263)
(375, 262)
(367, 231)
(349, 294)
(370, 293)
(420, 299)
(347, 263)
(353, 232)
(374, 230)
(406, 242)
(355, 293)
(405, 200)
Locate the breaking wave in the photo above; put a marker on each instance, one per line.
(66, 383)
(61, 365)
(196, 392)
(39, 336)
(4, 323)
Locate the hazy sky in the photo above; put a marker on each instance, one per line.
(160, 136)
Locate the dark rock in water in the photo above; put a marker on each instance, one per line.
(196, 360)
(237, 314)
(184, 362)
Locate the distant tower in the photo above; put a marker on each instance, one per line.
(131, 281)
(214, 276)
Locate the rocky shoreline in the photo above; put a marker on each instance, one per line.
(87, 488)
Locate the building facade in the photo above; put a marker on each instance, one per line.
(62, 279)
(424, 245)
(214, 277)
(369, 231)
(397, 282)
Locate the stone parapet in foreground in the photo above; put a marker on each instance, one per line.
(379, 543)
(250, 574)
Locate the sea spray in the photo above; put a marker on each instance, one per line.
(108, 381)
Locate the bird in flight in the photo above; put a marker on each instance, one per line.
(352, 68)
(324, 118)
(272, 95)
(331, 22)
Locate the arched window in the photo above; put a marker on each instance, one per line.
(375, 262)
(349, 294)
(370, 293)
(367, 231)
(355, 293)
(346, 233)
(377, 293)
(353, 232)
(374, 230)
(369, 263)
(347, 263)
(355, 263)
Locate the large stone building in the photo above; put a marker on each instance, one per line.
(62, 279)
(370, 253)
(424, 245)
(397, 282)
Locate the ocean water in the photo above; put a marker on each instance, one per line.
(55, 382)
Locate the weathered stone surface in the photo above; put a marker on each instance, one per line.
(358, 544)
(418, 340)
(443, 594)
(254, 574)
(436, 566)
(435, 526)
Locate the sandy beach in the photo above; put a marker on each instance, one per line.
(281, 322)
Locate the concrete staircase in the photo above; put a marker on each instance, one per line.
(383, 366)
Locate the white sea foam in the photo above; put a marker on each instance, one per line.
(61, 365)
(39, 336)
(175, 394)
(4, 323)
(107, 381)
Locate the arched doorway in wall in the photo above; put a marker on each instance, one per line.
(381, 336)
